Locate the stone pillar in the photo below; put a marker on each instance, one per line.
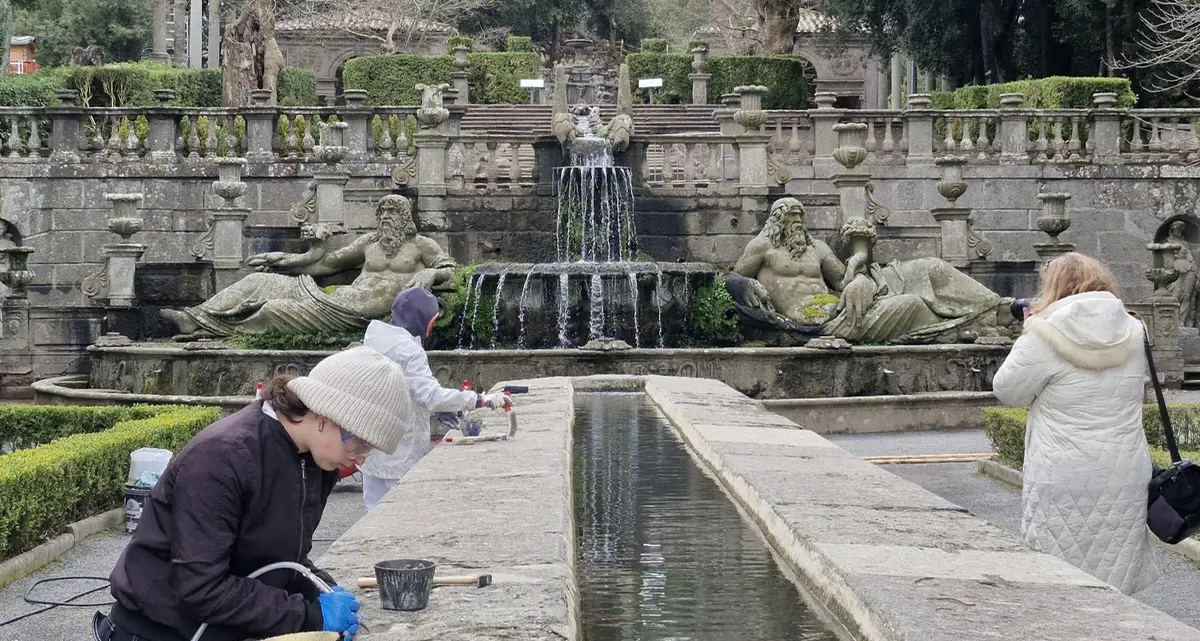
(214, 35)
(121, 257)
(952, 218)
(158, 32)
(751, 148)
(1106, 129)
(228, 222)
(700, 75)
(548, 154)
(331, 182)
(824, 117)
(729, 127)
(920, 128)
(431, 176)
(195, 39)
(160, 142)
(851, 182)
(1014, 130)
(1053, 222)
(180, 39)
(897, 78)
(66, 127)
(260, 127)
(357, 117)
(460, 75)
(1161, 313)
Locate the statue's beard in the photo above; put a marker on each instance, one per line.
(791, 234)
(391, 238)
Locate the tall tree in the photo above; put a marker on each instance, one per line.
(777, 22)
(252, 59)
(120, 27)
(1168, 50)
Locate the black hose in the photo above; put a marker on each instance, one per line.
(69, 602)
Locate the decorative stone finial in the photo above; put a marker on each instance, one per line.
(229, 183)
(952, 185)
(852, 139)
(432, 113)
(1012, 100)
(1053, 222)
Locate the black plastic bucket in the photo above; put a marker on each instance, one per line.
(405, 584)
(135, 502)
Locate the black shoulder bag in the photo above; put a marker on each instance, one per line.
(1175, 491)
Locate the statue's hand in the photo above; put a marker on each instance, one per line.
(857, 298)
(759, 297)
(426, 278)
(264, 262)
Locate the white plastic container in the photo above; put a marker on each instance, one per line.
(146, 465)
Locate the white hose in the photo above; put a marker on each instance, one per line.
(282, 565)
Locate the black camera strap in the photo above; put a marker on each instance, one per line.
(1172, 446)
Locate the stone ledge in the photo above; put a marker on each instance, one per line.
(918, 566)
(877, 414)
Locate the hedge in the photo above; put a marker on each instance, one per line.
(132, 84)
(495, 78)
(784, 76)
(519, 44)
(1057, 92)
(28, 426)
(45, 488)
(1005, 428)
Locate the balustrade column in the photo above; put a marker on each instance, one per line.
(161, 133)
(1014, 130)
(919, 121)
(824, 118)
(260, 127)
(751, 147)
(1105, 138)
(158, 32)
(459, 77)
(228, 222)
(66, 127)
(357, 117)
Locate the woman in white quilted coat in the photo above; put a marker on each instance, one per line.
(1080, 369)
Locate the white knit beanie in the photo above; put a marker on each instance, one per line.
(363, 392)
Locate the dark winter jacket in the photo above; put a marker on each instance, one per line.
(238, 497)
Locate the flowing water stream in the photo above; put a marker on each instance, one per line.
(661, 553)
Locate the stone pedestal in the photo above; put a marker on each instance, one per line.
(357, 117)
(160, 140)
(431, 176)
(1014, 130)
(228, 225)
(824, 118)
(122, 263)
(953, 221)
(260, 127)
(548, 154)
(700, 87)
(66, 127)
(331, 199)
(459, 80)
(1105, 136)
(920, 129)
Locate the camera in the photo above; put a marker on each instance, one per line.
(1018, 307)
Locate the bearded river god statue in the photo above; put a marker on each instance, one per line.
(790, 281)
(392, 258)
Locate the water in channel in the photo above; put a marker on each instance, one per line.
(662, 554)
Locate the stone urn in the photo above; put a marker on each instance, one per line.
(1104, 100)
(17, 276)
(67, 97)
(852, 140)
(164, 97)
(124, 205)
(460, 57)
(229, 183)
(1054, 220)
(1012, 100)
(951, 186)
(260, 97)
(1162, 274)
(125, 226)
(700, 58)
(332, 148)
(750, 114)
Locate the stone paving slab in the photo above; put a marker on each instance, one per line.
(502, 508)
(899, 578)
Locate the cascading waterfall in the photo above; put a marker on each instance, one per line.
(658, 287)
(475, 312)
(521, 307)
(564, 308)
(633, 297)
(597, 307)
(496, 308)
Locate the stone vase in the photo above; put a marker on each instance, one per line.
(951, 186)
(750, 115)
(125, 226)
(700, 59)
(1162, 273)
(461, 62)
(1054, 220)
(17, 276)
(125, 208)
(229, 183)
(852, 140)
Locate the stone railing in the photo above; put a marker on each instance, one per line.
(261, 133)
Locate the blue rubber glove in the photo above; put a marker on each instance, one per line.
(339, 612)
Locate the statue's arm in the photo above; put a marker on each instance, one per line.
(438, 265)
(832, 269)
(752, 258)
(348, 257)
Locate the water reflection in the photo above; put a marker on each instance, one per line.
(662, 554)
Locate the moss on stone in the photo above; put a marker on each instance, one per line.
(819, 307)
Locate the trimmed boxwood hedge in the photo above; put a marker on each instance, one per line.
(45, 488)
(390, 80)
(24, 426)
(1005, 427)
(784, 76)
(132, 84)
(1058, 92)
(519, 44)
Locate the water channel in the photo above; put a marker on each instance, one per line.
(662, 553)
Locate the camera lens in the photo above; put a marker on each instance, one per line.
(1018, 307)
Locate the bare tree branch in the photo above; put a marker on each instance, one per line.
(1168, 45)
(397, 25)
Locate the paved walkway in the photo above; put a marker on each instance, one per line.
(1000, 504)
(97, 555)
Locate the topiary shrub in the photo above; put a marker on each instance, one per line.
(654, 45)
(494, 78)
(27, 426)
(31, 90)
(712, 317)
(784, 76)
(518, 44)
(297, 87)
(45, 488)
(1056, 92)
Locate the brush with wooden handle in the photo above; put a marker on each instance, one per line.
(477, 580)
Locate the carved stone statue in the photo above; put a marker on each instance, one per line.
(583, 121)
(432, 113)
(1184, 287)
(392, 258)
(786, 272)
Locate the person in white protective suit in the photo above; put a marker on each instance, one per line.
(1081, 370)
(413, 314)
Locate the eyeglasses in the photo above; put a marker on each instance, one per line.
(355, 447)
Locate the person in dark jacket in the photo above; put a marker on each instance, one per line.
(249, 491)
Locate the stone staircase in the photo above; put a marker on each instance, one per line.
(523, 120)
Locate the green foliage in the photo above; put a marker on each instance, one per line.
(1005, 427)
(304, 342)
(712, 318)
(31, 90)
(654, 45)
(390, 80)
(120, 27)
(460, 41)
(1046, 93)
(454, 304)
(784, 76)
(45, 488)
(297, 88)
(518, 44)
(27, 426)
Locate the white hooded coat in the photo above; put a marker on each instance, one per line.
(426, 393)
(1081, 370)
